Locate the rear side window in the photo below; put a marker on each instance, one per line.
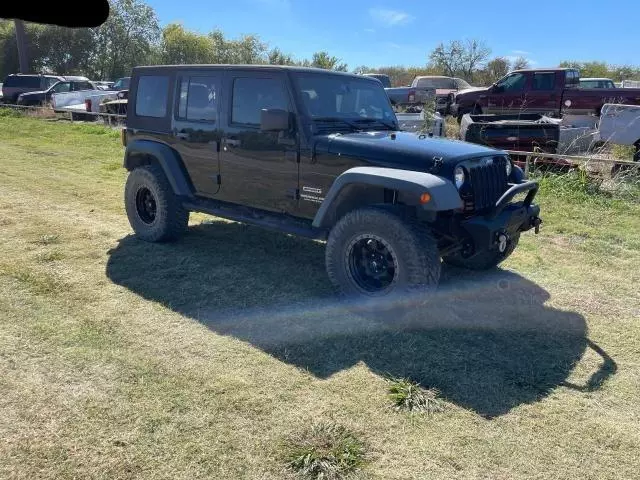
(151, 97)
(198, 100)
(24, 81)
(251, 95)
(544, 81)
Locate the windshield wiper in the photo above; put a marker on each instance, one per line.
(389, 126)
(339, 120)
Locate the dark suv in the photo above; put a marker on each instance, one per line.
(318, 153)
(14, 85)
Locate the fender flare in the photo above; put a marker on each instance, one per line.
(166, 157)
(444, 195)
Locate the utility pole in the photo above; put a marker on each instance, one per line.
(22, 46)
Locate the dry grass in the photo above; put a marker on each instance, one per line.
(120, 359)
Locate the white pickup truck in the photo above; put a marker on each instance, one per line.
(81, 102)
(620, 125)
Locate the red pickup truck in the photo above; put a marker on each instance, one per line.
(552, 92)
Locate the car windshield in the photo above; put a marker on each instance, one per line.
(444, 83)
(343, 97)
(462, 84)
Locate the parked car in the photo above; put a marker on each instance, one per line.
(596, 83)
(16, 84)
(551, 92)
(103, 85)
(116, 106)
(81, 102)
(318, 153)
(45, 96)
(444, 87)
(425, 86)
(122, 83)
(620, 125)
(384, 79)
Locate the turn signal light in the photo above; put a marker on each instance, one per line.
(425, 198)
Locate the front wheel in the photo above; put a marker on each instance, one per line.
(483, 260)
(373, 252)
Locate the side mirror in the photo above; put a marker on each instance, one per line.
(496, 89)
(274, 120)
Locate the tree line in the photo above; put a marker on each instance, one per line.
(132, 36)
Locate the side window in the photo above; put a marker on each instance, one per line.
(49, 82)
(198, 99)
(544, 81)
(62, 87)
(151, 97)
(251, 95)
(513, 83)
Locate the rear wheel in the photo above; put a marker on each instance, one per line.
(483, 260)
(373, 252)
(155, 213)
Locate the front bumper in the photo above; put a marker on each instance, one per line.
(505, 218)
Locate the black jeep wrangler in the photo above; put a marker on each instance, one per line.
(318, 153)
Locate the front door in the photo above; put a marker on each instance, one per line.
(508, 95)
(196, 135)
(258, 169)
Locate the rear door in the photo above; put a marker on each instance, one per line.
(258, 169)
(196, 134)
(543, 95)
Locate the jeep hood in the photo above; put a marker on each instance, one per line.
(400, 149)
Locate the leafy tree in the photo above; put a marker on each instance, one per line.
(460, 58)
(180, 46)
(126, 39)
(495, 70)
(326, 61)
(65, 51)
(520, 63)
(276, 57)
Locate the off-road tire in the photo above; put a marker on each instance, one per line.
(171, 218)
(411, 243)
(483, 260)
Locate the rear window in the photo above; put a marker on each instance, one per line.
(151, 97)
(198, 99)
(544, 81)
(437, 83)
(24, 81)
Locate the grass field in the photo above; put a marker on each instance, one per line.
(209, 357)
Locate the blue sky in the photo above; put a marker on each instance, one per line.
(378, 33)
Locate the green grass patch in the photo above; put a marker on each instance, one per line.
(409, 396)
(324, 451)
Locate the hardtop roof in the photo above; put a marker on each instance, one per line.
(244, 67)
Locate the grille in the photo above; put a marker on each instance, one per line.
(488, 183)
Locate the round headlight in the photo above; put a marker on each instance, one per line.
(458, 177)
(508, 167)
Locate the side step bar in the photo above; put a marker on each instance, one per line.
(260, 218)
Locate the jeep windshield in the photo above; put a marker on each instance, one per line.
(358, 103)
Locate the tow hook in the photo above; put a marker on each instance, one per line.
(502, 242)
(535, 223)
